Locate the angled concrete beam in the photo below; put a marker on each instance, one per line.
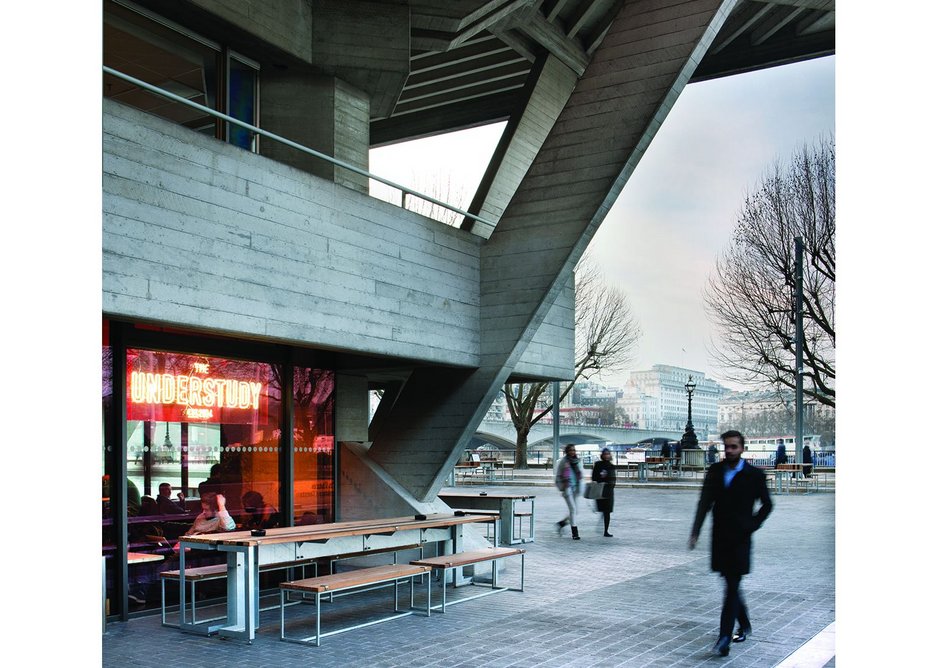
(549, 86)
(440, 29)
(763, 34)
(583, 12)
(815, 23)
(536, 26)
(592, 40)
(740, 22)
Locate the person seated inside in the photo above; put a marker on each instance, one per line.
(148, 506)
(165, 502)
(214, 517)
(258, 513)
(214, 481)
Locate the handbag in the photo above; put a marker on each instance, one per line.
(595, 490)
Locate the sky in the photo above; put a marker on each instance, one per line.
(661, 239)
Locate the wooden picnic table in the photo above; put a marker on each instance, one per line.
(504, 502)
(246, 552)
(143, 557)
(796, 472)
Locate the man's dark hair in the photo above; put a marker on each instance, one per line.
(566, 448)
(732, 432)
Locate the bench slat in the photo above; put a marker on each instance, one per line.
(356, 578)
(468, 558)
(221, 570)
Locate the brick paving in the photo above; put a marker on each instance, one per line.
(638, 599)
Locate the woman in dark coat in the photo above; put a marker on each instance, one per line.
(605, 471)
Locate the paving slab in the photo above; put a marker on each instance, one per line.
(640, 598)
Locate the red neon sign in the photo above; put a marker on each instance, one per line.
(171, 387)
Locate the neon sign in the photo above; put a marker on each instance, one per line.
(197, 393)
(192, 391)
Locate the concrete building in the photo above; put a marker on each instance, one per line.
(254, 293)
(658, 395)
(641, 408)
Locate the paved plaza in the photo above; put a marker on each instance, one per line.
(638, 599)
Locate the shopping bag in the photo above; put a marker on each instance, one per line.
(595, 490)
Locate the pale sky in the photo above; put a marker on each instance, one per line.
(661, 239)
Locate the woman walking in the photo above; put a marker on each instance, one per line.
(568, 477)
(605, 471)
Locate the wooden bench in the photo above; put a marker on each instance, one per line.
(519, 516)
(351, 580)
(450, 561)
(218, 572)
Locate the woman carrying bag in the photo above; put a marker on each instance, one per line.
(568, 477)
(604, 471)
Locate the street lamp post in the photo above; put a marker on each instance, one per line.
(689, 439)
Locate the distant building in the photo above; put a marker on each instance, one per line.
(759, 413)
(656, 399)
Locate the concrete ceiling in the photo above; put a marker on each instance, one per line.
(470, 59)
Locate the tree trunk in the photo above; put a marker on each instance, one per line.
(521, 450)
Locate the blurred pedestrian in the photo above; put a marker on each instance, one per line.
(604, 471)
(780, 456)
(731, 489)
(568, 479)
(806, 459)
(712, 454)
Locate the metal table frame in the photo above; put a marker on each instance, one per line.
(244, 554)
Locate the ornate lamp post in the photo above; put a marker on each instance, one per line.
(689, 439)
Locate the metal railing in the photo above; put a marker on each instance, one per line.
(689, 458)
(287, 142)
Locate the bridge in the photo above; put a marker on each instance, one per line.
(501, 433)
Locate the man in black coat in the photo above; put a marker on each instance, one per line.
(731, 488)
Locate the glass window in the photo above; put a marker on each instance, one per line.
(197, 427)
(159, 55)
(164, 54)
(314, 445)
(108, 535)
(242, 101)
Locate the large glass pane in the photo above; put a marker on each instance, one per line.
(314, 445)
(108, 535)
(196, 426)
(242, 102)
(157, 54)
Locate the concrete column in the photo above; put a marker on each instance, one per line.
(351, 408)
(321, 112)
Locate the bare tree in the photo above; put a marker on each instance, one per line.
(440, 186)
(750, 296)
(606, 334)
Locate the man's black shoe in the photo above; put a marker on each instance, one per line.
(722, 646)
(742, 633)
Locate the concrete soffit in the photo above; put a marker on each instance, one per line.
(366, 44)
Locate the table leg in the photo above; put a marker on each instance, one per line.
(506, 520)
(182, 584)
(242, 583)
